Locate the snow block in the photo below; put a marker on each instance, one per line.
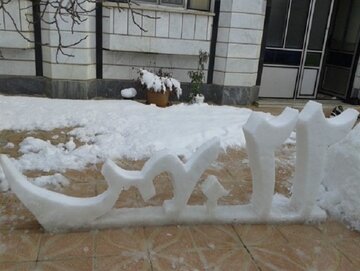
(213, 191)
(58, 212)
(262, 138)
(4, 186)
(314, 135)
(184, 176)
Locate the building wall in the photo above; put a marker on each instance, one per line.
(80, 66)
(172, 41)
(17, 55)
(239, 42)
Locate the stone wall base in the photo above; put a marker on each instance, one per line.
(110, 89)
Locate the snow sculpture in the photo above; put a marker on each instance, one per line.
(314, 134)
(262, 138)
(184, 177)
(4, 186)
(57, 212)
(213, 191)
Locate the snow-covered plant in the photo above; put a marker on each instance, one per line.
(153, 82)
(197, 77)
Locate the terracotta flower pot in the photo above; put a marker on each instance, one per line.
(161, 99)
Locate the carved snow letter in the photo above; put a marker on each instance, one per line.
(184, 176)
(314, 134)
(262, 138)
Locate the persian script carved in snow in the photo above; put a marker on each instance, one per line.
(58, 212)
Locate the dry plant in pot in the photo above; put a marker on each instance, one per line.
(197, 79)
(158, 88)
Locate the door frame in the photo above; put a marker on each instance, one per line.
(349, 88)
(302, 67)
(306, 50)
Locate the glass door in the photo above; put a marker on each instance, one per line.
(342, 45)
(294, 49)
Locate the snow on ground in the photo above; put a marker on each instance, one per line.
(56, 181)
(341, 191)
(115, 129)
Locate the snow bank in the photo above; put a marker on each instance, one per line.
(115, 129)
(341, 194)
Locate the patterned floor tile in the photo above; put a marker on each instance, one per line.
(336, 231)
(117, 242)
(19, 246)
(351, 250)
(253, 235)
(66, 246)
(323, 256)
(124, 262)
(18, 266)
(180, 260)
(215, 237)
(279, 256)
(300, 232)
(227, 259)
(169, 238)
(77, 264)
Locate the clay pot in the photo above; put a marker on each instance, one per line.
(161, 99)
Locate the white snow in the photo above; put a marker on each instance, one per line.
(262, 138)
(4, 186)
(116, 129)
(151, 81)
(341, 196)
(128, 93)
(314, 135)
(56, 181)
(9, 145)
(159, 84)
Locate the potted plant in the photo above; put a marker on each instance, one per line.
(197, 78)
(158, 88)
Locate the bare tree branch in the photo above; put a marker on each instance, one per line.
(73, 12)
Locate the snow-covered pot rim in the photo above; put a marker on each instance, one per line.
(161, 91)
(153, 82)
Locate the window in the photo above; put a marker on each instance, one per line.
(203, 5)
(166, 2)
(199, 4)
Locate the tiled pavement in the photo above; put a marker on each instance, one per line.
(25, 246)
(328, 246)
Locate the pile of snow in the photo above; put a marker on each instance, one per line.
(341, 193)
(128, 93)
(159, 84)
(116, 129)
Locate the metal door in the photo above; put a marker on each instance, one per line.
(339, 62)
(295, 44)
